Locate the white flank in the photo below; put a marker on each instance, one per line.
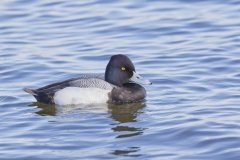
(76, 95)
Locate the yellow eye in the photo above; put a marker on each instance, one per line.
(123, 69)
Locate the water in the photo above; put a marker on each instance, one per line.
(190, 50)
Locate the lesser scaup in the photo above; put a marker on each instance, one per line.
(119, 84)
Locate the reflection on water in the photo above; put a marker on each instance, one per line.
(128, 151)
(125, 112)
(126, 115)
(120, 112)
(45, 109)
(123, 115)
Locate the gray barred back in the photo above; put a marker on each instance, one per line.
(91, 83)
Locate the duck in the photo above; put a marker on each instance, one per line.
(119, 84)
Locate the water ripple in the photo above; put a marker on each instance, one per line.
(188, 49)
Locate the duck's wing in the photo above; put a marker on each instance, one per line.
(83, 81)
(45, 94)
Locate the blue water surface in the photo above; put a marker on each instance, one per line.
(189, 49)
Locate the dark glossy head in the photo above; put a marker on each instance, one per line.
(119, 70)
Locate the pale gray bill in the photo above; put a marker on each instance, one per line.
(139, 79)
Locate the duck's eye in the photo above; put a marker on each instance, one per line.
(123, 68)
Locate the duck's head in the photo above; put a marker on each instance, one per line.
(120, 70)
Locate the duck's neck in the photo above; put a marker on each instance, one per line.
(110, 77)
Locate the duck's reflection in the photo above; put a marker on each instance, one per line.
(55, 110)
(45, 109)
(131, 151)
(125, 117)
(123, 114)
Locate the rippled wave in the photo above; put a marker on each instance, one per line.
(189, 49)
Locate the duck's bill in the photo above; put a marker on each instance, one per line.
(139, 79)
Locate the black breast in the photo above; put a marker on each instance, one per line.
(129, 92)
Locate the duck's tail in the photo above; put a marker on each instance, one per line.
(40, 96)
(30, 91)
